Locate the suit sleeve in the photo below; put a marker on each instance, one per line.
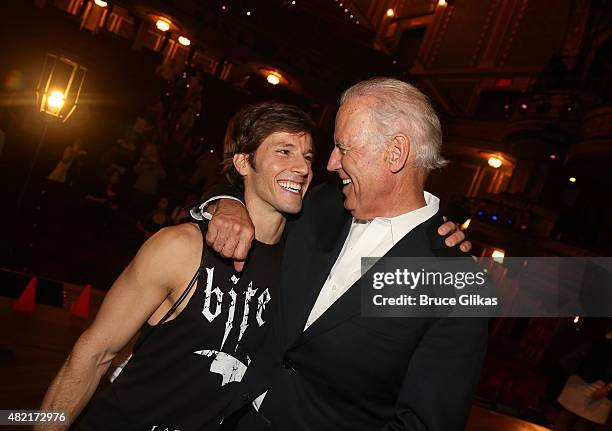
(438, 387)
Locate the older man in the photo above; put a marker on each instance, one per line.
(326, 367)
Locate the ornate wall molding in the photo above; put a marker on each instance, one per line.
(520, 14)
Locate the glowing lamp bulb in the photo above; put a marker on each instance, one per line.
(162, 25)
(442, 3)
(184, 41)
(273, 78)
(100, 3)
(498, 255)
(56, 100)
(390, 12)
(495, 162)
(572, 179)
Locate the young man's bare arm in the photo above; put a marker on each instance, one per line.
(144, 291)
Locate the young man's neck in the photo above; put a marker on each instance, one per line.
(269, 223)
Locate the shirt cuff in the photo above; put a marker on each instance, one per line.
(198, 212)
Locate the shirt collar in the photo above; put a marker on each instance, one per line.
(402, 224)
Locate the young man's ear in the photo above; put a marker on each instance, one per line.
(398, 152)
(241, 164)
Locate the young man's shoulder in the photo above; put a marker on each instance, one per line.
(175, 243)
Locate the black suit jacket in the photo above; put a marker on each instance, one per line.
(347, 372)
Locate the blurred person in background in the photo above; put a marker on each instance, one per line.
(587, 394)
(73, 155)
(109, 194)
(180, 213)
(150, 173)
(155, 220)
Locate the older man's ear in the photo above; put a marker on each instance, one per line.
(454, 236)
(398, 151)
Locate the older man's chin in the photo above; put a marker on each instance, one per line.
(351, 209)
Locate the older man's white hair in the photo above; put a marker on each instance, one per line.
(402, 108)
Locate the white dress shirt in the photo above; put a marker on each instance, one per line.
(367, 239)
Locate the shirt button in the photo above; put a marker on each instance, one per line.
(334, 287)
(287, 363)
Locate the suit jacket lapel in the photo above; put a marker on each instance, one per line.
(299, 304)
(418, 243)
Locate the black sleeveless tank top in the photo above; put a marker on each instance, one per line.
(183, 373)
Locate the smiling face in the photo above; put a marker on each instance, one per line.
(360, 160)
(281, 173)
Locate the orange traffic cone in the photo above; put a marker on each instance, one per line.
(27, 299)
(80, 308)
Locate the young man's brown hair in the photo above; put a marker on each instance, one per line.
(252, 124)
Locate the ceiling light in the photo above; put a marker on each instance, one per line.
(495, 162)
(273, 78)
(184, 41)
(162, 25)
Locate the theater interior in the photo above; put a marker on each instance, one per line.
(523, 89)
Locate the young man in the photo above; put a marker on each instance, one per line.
(183, 371)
